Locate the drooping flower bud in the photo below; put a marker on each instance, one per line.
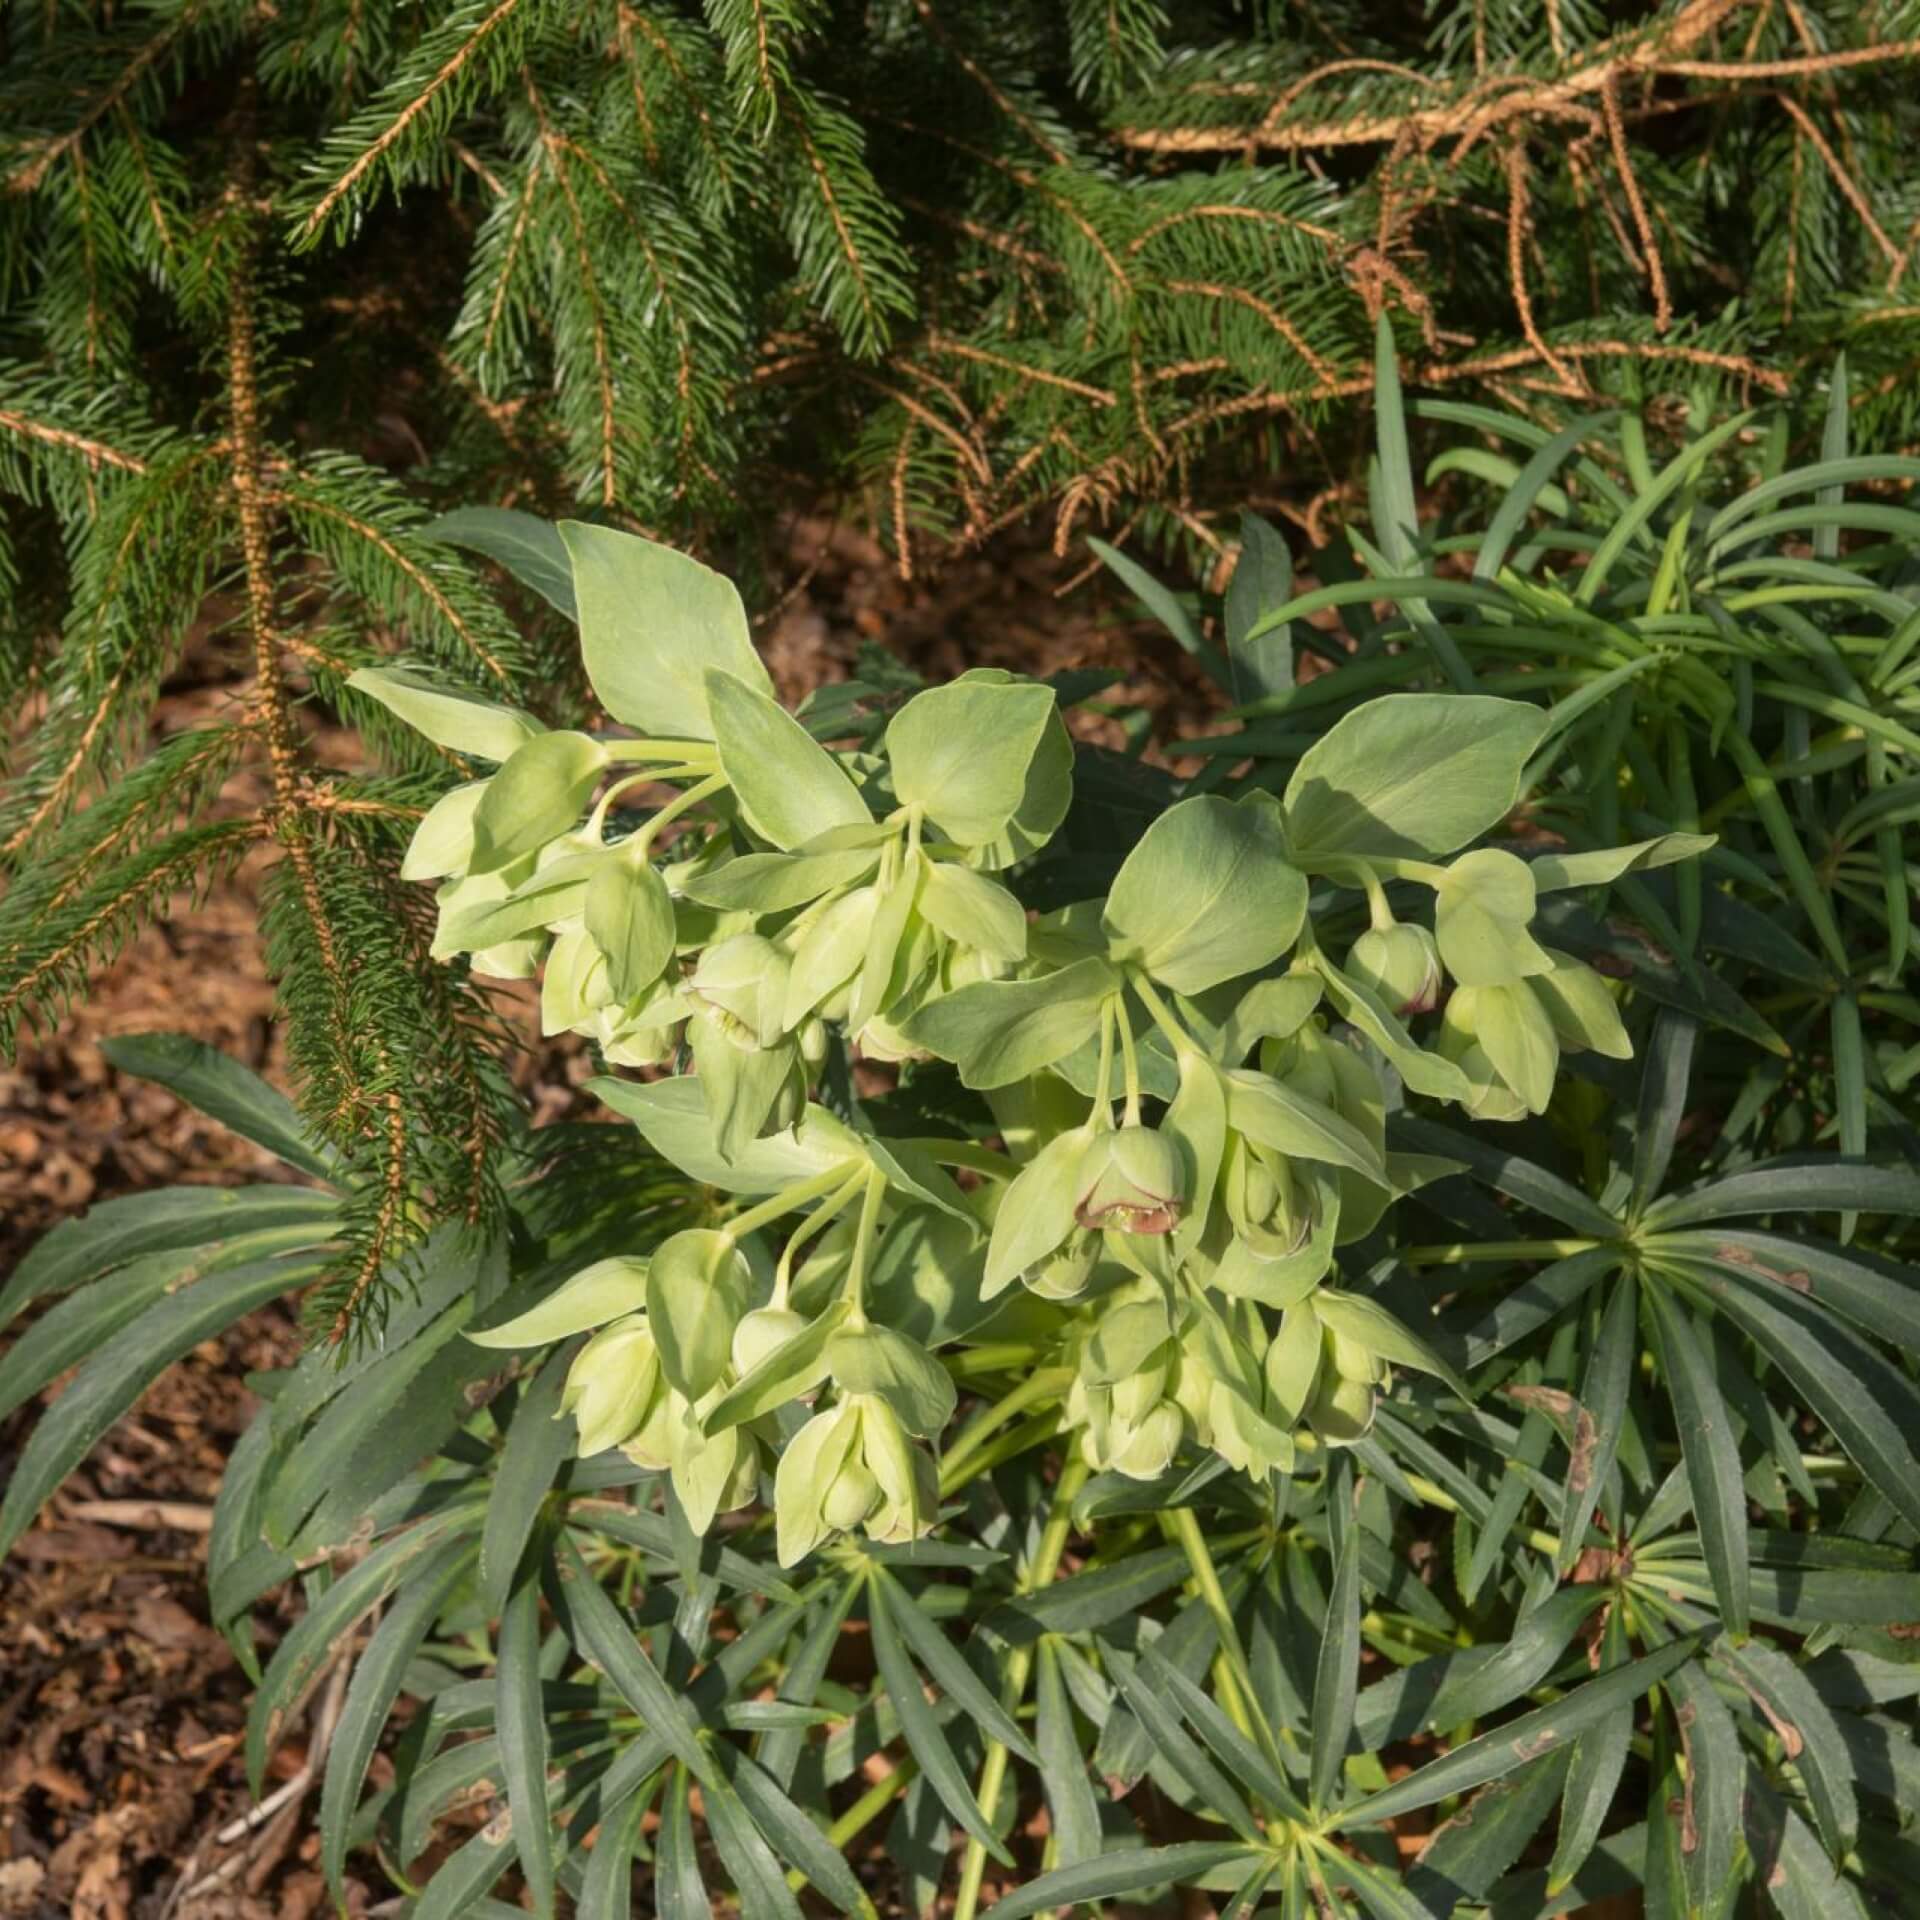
(1064, 1272)
(1259, 1189)
(1341, 1411)
(1401, 964)
(852, 1494)
(1131, 1179)
(742, 983)
(610, 1386)
(764, 1331)
(883, 1041)
(1149, 1447)
(789, 1105)
(1491, 1098)
(853, 1465)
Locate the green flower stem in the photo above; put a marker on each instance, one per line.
(1045, 1384)
(816, 1222)
(1030, 1433)
(1424, 871)
(966, 1153)
(646, 752)
(651, 776)
(788, 1200)
(1239, 1698)
(863, 1247)
(1004, 1356)
(1129, 1065)
(1378, 911)
(701, 790)
(1161, 1014)
(1470, 1253)
(1103, 1078)
(865, 1811)
(1437, 1496)
(1039, 1573)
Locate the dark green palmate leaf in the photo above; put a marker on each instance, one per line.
(925, 1740)
(129, 1361)
(1493, 1755)
(1712, 1459)
(1337, 1674)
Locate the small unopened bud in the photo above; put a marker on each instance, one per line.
(881, 1040)
(1133, 1179)
(1148, 1449)
(1064, 1272)
(1342, 1410)
(1401, 964)
(1258, 1187)
(764, 1331)
(853, 1495)
(1490, 1097)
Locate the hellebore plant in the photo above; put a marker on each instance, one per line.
(998, 1411)
(1179, 1094)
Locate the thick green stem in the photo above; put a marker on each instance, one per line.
(1030, 1433)
(1129, 1065)
(1436, 1496)
(1378, 911)
(1103, 1078)
(1045, 1564)
(647, 752)
(1161, 1014)
(815, 1223)
(787, 1200)
(1469, 1253)
(966, 1153)
(1046, 1384)
(701, 790)
(863, 1246)
(1241, 1700)
(1004, 1356)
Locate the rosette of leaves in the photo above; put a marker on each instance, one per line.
(1697, 1411)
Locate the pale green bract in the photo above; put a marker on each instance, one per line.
(1188, 1090)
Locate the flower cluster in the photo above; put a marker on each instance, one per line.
(1189, 1095)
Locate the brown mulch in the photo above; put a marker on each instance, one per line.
(122, 1713)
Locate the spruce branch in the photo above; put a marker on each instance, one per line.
(410, 107)
(96, 453)
(50, 964)
(144, 57)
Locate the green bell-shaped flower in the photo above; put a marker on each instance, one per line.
(1491, 1097)
(853, 1465)
(1399, 963)
(613, 1383)
(1063, 1274)
(741, 984)
(1341, 1410)
(1267, 1205)
(1131, 1425)
(713, 1473)
(1130, 1179)
(764, 1331)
